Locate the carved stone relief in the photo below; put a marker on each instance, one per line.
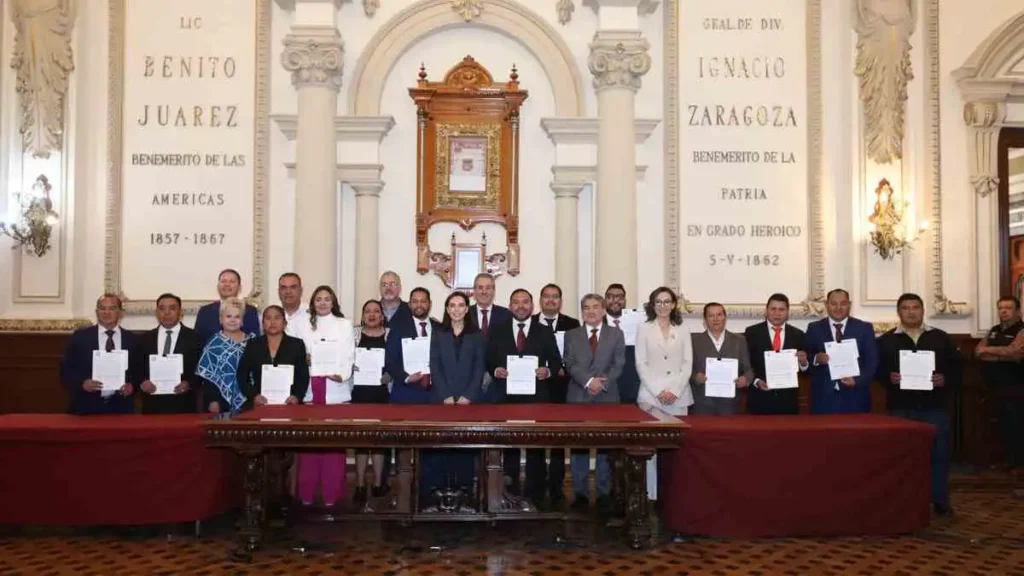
(314, 59)
(370, 7)
(883, 65)
(43, 61)
(618, 63)
(468, 9)
(984, 119)
(565, 8)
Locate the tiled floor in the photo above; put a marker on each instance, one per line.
(986, 537)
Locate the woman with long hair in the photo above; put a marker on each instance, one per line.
(371, 335)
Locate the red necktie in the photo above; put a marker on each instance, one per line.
(777, 340)
(593, 341)
(483, 322)
(521, 339)
(425, 381)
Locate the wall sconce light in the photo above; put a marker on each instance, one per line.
(37, 220)
(889, 235)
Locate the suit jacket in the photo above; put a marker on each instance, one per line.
(454, 375)
(208, 322)
(825, 398)
(558, 386)
(76, 368)
(190, 349)
(401, 320)
(759, 340)
(394, 364)
(292, 351)
(581, 365)
(664, 365)
(540, 342)
(562, 324)
(497, 315)
(733, 346)
(629, 380)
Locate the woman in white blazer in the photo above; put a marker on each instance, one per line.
(664, 354)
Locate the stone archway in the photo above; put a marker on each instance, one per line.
(419, 20)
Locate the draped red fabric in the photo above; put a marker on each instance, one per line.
(765, 476)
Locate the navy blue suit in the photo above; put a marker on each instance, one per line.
(394, 364)
(401, 320)
(208, 322)
(495, 315)
(629, 380)
(76, 368)
(825, 399)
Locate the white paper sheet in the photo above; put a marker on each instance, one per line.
(721, 377)
(842, 359)
(522, 375)
(416, 355)
(629, 323)
(165, 372)
(780, 369)
(325, 358)
(108, 368)
(560, 340)
(370, 362)
(276, 383)
(916, 370)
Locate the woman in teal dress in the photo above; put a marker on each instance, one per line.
(218, 366)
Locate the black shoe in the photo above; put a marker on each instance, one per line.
(380, 491)
(943, 509)
(359, 496)
(581, 503)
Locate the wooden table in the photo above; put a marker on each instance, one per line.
(262, 435)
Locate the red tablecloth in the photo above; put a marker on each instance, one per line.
(553, 413)
(747, 476)
(112, 470)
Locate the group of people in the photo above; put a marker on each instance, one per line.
(665, 366)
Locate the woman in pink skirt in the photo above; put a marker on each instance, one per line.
(325, 471)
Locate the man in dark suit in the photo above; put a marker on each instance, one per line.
(928, 406)
(523, 336)
(629, 381)
(410, 388)
(484, 314)
(397, 314)
(773, 335)
(170, 337)
(551, 315)
(229, 285)
(846, 395)
(87, 395)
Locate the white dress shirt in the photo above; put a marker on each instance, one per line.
(554, 322)
(590, 332)
(161, 337)
(480, 316)
(423, 324)
(298, 322)
(717, 342)
(103, 337)
(782, 334)
(832, 326)
(515, 328)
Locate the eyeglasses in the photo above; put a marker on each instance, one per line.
(389, 284)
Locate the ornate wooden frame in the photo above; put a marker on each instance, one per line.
(467, 104)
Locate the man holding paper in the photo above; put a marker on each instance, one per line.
(522, 356)
(628, 321)
(165, 361)
(414, 387)
(845, 359)
(777, 356)
(721, 365)
(918, 363)
(94, 367)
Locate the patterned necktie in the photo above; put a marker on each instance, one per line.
(777, 340)
(839, 332)
(110, 341)
(593, 341)
(167, 343)
(483, 321)
(521, 338)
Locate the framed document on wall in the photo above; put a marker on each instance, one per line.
(467, 158)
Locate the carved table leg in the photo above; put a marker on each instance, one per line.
(638, 516)
(255, 504)
(406, 485)
(494, 480)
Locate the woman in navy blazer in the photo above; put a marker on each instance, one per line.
(457, 373)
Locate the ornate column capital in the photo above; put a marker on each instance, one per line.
(618, 59)
(314, 58)
(984, 113)
(567, 190)
(984, 118)
(367, 188)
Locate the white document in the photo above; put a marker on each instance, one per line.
(108, 368)
(522, 375)
(325, 358)
(629, 323)
(780, 369)
(416, 355)
(842, 359)
(721, 377)
(165, 372)
(560, 340)
(276, 383)
(338, 392)
(916, 370)
(370, 362)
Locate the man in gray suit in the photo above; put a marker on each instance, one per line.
(594, 357)
(717, 343)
